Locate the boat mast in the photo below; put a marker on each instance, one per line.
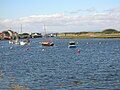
(21, 28)
(44, 30)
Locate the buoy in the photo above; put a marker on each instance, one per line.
(78, 51)
(27, 49)
(43, 49)
(10, 47)
(2, 46)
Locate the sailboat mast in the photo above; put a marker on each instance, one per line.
(44, 29)
(21, 28)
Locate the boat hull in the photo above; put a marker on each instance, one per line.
(22, 43)
(18, 43)
(47, 43)
(71, 46)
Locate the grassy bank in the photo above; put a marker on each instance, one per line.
(89, 35)
(78, 37)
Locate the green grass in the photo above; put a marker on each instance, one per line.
(78, 37)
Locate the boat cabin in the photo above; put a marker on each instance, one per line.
(71, 44)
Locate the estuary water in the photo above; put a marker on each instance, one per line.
(36, 67)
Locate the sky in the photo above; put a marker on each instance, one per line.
(59, 15)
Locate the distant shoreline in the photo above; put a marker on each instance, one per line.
(88, 38)
(109, 33)
(81, 37)
(89, 35)
(85, 36)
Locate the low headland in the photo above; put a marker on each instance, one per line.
(108, 33)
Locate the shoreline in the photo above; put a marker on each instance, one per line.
(87, 36)
(80, 37)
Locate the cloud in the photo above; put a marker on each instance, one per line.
(86, 11)
(64, 23)
(113, 10)
(116, 9)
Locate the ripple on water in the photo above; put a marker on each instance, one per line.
(96, 67)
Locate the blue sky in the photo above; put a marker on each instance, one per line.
(20, 8)
(64, 9)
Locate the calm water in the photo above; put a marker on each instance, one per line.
(96, 67)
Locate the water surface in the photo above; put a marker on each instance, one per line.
(96, 67)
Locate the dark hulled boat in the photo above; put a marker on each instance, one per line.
(71, 44)
(47, 43)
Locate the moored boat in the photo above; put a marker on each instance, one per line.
(72, 44)
(47, 43)
(19, 42)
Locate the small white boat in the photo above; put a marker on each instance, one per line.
(18, 42)
(11, 42)
(25, 42)
(22, 43)
(72, 44)
(14, 42)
